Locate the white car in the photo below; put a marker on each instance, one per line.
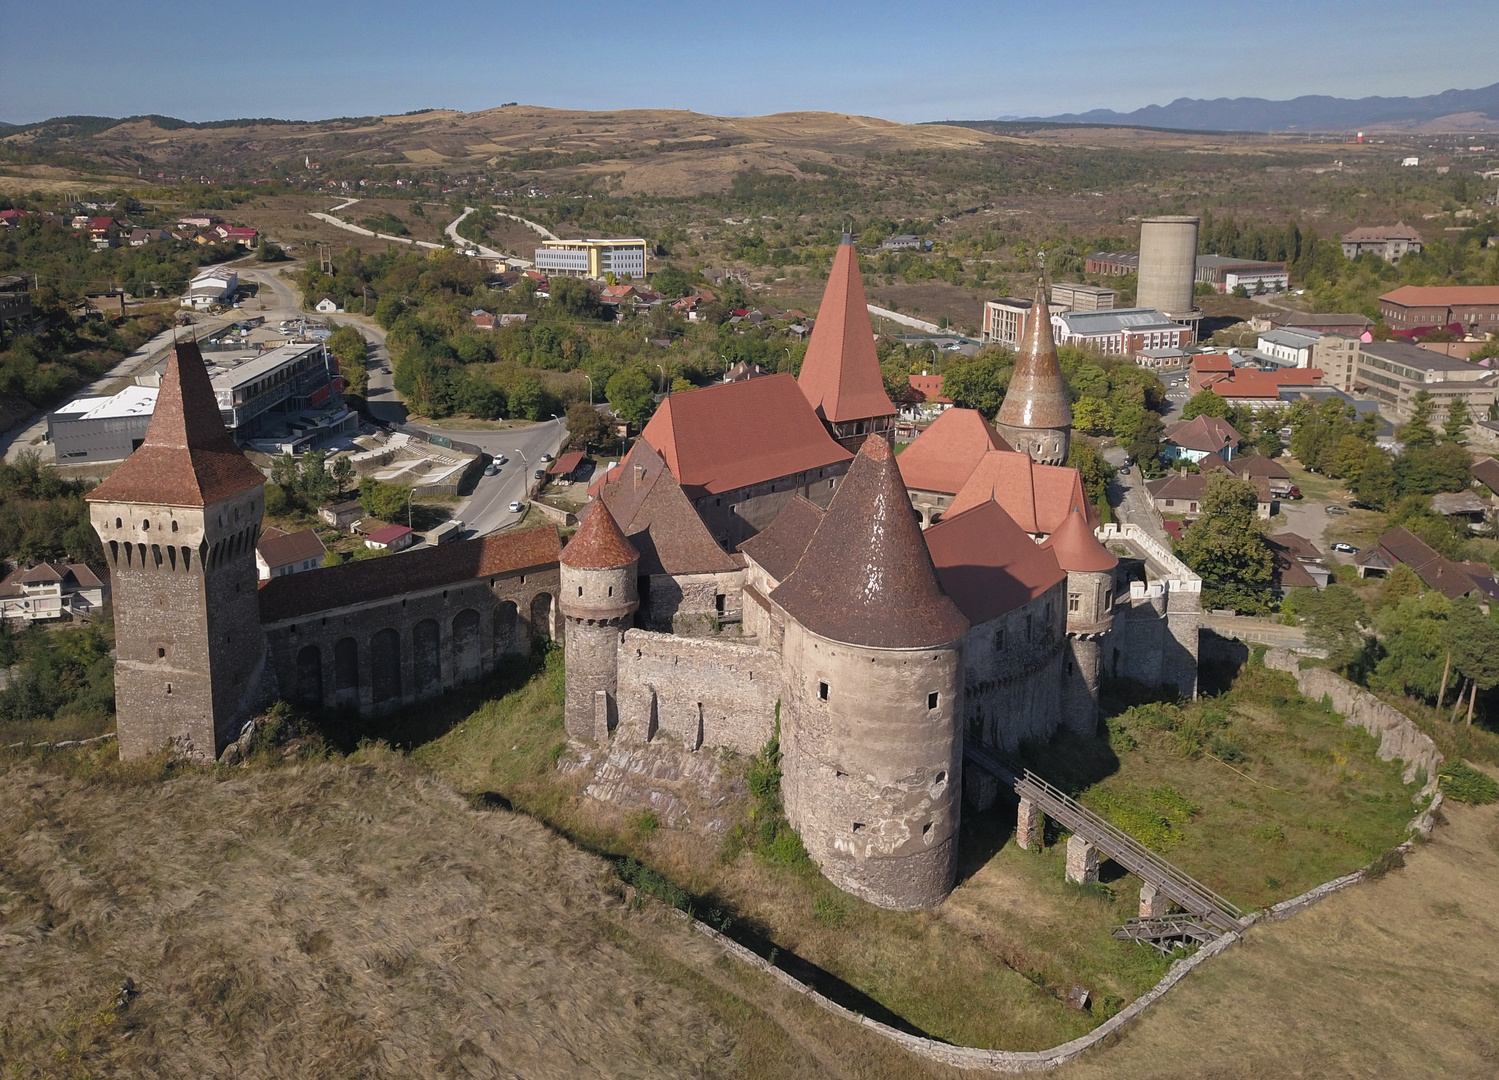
(517, 506)
(502, 460)
(546, 457)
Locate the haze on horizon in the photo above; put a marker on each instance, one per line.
(966, 60)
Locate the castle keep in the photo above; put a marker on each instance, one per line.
(761, 555)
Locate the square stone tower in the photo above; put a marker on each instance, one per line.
(179, 521)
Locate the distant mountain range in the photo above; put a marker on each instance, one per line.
(1451, 110)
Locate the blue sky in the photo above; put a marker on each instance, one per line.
(903, 61)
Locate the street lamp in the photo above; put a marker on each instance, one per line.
(664, 388)
(590, 391)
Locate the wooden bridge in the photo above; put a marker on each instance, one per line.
(1213, 914)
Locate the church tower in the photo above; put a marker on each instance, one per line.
(179, 520)
(1035, 417)
(840, 375)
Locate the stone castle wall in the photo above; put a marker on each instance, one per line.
(1013, 671)
(689, 605)
(381, 655)
(701, 692)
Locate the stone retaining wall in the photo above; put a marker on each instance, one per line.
(1398, 736)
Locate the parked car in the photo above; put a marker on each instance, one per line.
(539, 473)
(492, 469)
(502, 460)
(517, 506)
(1346, 549)
(546, 457)
(1334, 508)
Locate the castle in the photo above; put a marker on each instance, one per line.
(761, 556)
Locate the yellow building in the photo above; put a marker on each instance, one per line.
(592, 258)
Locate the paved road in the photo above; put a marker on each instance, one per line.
(539, 230)
(1130, 500)
(465, 244)
(488, 509)
(339, 223)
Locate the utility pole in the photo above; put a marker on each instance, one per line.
(325, 256)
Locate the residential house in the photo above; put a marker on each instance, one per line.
(1452, 579)
(923, 400)
(51, 590)
(142, 237)
(1180, 495)
(327, 306)
(1259, 467)
(904, 242)
(1296, 563)
(195, 221)
(234, 234)
(342, 515)
(1192, 440)
(280, 553)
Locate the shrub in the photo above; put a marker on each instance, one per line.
(1465, 784)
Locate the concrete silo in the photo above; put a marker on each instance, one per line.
(1168, 265)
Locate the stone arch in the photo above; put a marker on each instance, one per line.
(506, 627)
(385, 666)
(309, 686)
(541, 617)
(426, 656)
(346, 671)
(467, 648)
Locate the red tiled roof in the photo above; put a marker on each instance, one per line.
(1265, 384)
(732, 435)
(599, 544)
(1207, 433)
(943, 456)
(1258, 465)
(867, 577)
(188, 458)
(1038, 497)
(279, 548)
(1442, 295)
(780, 545)
(987, 564)
(926, 388)
(1077, 548)
(1212, 362)
(659, 520)
(372, 580)
(841, 372)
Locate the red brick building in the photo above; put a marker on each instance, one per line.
(1469, 309)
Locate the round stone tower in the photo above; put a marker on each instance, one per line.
(1091, 589)
(1035, 417)
(599, 598)
(872, 745)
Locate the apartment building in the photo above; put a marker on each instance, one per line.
(1392, 372)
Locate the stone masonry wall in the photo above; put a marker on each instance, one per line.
(1012, 673)
(735, 516)
(687, 604)
(701, 692)
(1398, 736)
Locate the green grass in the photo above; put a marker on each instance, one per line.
(1260, 794)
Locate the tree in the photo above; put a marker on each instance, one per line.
(573, 296)
(1376, 485)
(343, 474)
(586, 427)
(979, 383)
(671, 282)
(1095, 472)
(1413, 637)
(1093, 416)
(1205, 403)
(388, 502)
(1417, 433)
(1333, 618)
(1458, 421)
(1144, 444)
(1400, 585)
(1473, 639)
(630, 396)
(313, 482)
(1225, 546)
(350, 349)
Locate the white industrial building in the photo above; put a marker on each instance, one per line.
(215, 286)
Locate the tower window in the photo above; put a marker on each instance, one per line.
(169, 689)
(859, 826)
(580, 590)
(1074, 601)
(822, 691)
(146, 524)
(160, 653)
(931, 700)
(611, 590)
(999, 639)
(174, 526)
(118, 523)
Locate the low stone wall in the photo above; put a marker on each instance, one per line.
(702, 692)
(1398, 736)
(565, 518)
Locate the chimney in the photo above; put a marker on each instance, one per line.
(638, 477)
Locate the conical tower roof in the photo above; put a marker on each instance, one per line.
(1037, 397)
(867, 577)
(1076, 548)
(188, 457)
(599, 544)
(840, 375)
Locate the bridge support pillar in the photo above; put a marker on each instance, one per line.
(1082, 861)
(1154, 904)
(1030, 826)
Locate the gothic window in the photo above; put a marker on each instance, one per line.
(1074, 601)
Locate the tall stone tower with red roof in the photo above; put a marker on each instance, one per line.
(872, 701)
(840, 375)
(599, 598)
(179, 521)
(1035, 417)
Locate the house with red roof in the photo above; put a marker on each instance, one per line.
(235, 234)
(390, 538)
(1194, 439)
(923, 400)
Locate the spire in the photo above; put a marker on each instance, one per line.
(188, 457)
(841, 373)
(867, 577)
(1077, 548)
(1037, 397)
(599, 544)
